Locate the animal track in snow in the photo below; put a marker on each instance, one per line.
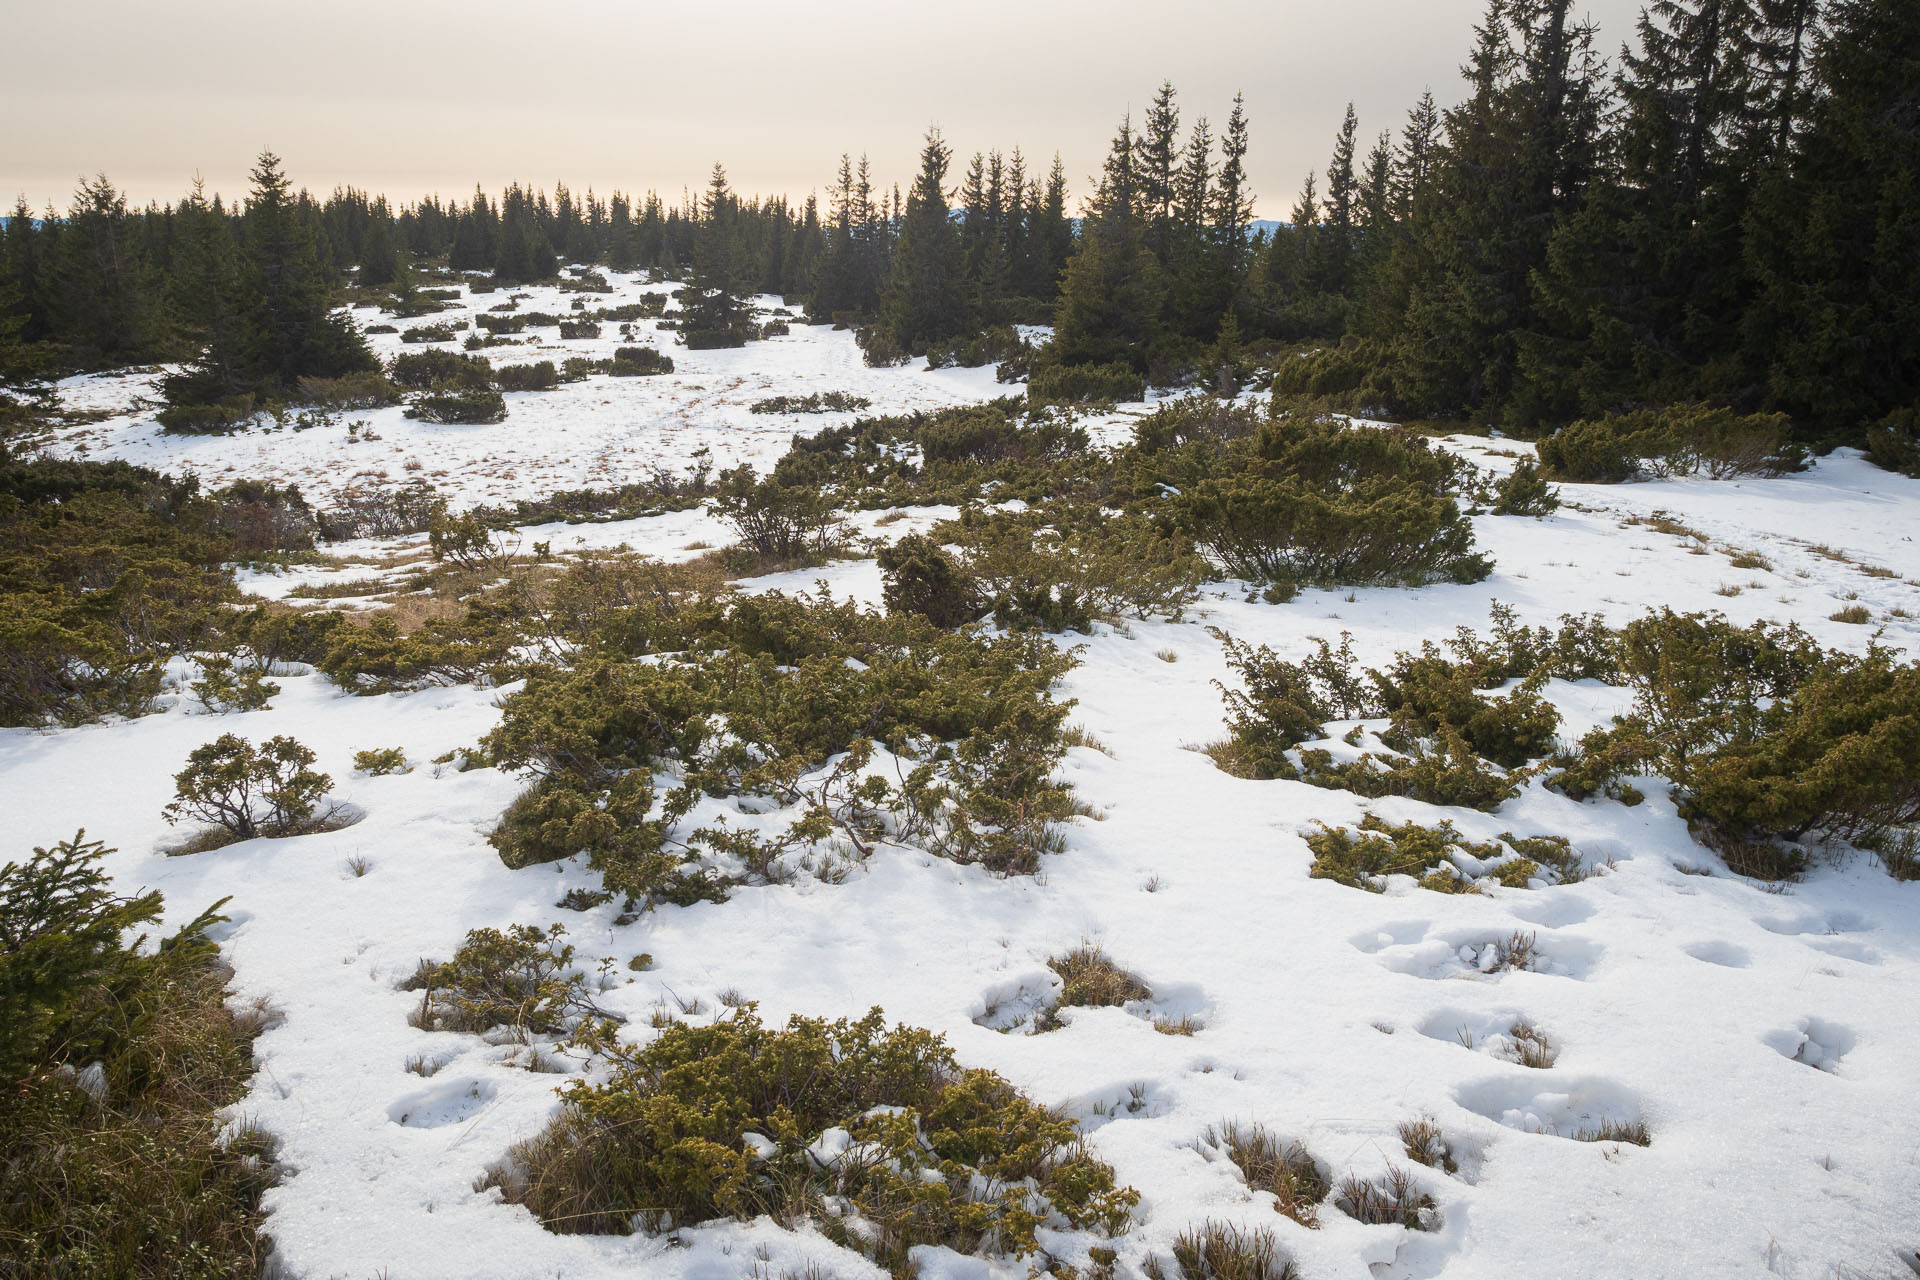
(1846, 949)
(1133, 1100)
(444, 1104)
(1555, 912)
(1476, 954)
(1024, 1004)
(1809, 923)
(1503, 1034)
(1821, 933)
(1725, 954)
(1814, 1042)
(1405, 933)
(1015, 1003)
(1589, 1110)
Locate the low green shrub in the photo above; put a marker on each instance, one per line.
(427, 333)
(1345, 378)
(950, 456)
(1060, 566)
(1681, 439)
(1524, 492)
(375, 657)
(1318, 502)
(275, 633)
(794, 701)
(1894, 442)
(639, 362)
(459, 408)
(728, 1120)
(368, 389)
(216, 418)
(579, 329)
(585, 282)
(540, 376)
(1189, 420)
(523, 980)
(919, 577)
(233, 683)
(816, 402)
(1085, 384)
(1440, 858)
(1442, 770)
(378, 762)
(438, 370)
(501, 323)
(106, 571)
(1770, 741)
(1450, 742)
(240, 791)
(775, 521)
(998, 345)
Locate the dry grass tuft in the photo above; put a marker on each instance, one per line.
(1285, 1170)
(1634, 1131)
(1516, 951)
(1394, 1198)
(1222, 1251)
(1077, 736)
(1090, 978)
(1426, 1144)
(91, 1186)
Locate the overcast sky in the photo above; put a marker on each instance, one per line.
(417, 96)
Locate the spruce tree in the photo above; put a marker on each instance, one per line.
(1112, 294)
(1337, 245)
(101, 300)
(713, 312)
(925, 299)
(1519, 156)
(1050, 237)
(1160, 172)
(379, 261)
(283, 327)
(1231, 217)
(1842, 303)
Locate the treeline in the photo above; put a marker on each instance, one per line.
(103, 284)
(1729, 216)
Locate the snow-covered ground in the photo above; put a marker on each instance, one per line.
(1769, 1039)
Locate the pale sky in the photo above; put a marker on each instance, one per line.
(409, 97)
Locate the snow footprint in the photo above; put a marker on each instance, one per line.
(1405, 933)
(1134, 1100)
(1504, 1034)
(1822, 933)
(1813, 1042)
(1480, 954)
(1588, 1110)
(444, 1104)
(1725, 954)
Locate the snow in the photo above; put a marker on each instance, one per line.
(1767, 1039)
